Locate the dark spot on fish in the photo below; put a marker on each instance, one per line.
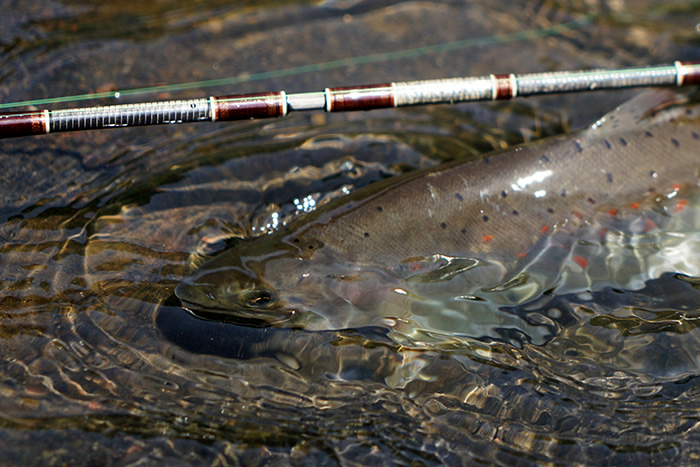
(544, 158)
(486, 218)
(459, 197)
(486, 160)
(612, 117)
(380, 209)
(515, 213)
(688, 112)
(464, 231)
(311, 247)
(296, 240)
(578, 146)
(610, 177)
(675, 142)
(695, 135)
(607, 144)
(591, 200)
(550, 210)
(443, 225)
(563, 192)
(504, 194)
(649, 133)
(623, 142)
(366, 234)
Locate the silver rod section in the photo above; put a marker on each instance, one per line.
(152, 113)
(512, 85)
(546, 83)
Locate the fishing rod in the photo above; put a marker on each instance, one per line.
(342, 99)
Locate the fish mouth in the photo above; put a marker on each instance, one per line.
(237, 315)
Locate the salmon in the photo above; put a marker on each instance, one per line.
(360, 260)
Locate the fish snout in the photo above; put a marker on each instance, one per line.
(231, 292)
(198, 295)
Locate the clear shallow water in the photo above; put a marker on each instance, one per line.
(98, 363)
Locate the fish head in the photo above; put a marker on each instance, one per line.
(233, 284)
(230, 291)
(265, 282)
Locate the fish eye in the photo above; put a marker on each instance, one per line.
(260, 299)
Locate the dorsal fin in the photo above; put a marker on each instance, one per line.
(648, 108)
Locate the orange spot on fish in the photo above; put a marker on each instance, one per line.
(613, 212)
(676, 187)
(634, 205)
(577, 214)
(581, 261)
(133, 449)
(487, 238)
(649, 225)
(521, 255)
(544, 229)
(681, 205)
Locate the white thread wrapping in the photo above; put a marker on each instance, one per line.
(47, 120)
(327, 92)
(283, 98)
(513, 85)
(212, 109)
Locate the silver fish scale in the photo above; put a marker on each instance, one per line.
(150, 113)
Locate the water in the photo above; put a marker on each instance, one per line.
(99, 364)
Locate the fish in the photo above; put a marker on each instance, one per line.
(463, 228)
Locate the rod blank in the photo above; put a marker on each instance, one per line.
(368, 97)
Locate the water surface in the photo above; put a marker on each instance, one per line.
(98, 363)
